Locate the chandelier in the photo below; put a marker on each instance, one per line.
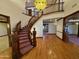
(40, 4)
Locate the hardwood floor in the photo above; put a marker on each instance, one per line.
(53, 48)
(7, 54)
(49, 48)
(73, 39)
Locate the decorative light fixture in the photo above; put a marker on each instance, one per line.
(40, 4)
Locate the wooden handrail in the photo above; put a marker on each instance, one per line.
(18, 26)
(35, 21)
(15, 42)
(58, 9)
(31, 23)
(15, 46)
(49, 5)
(30, 19)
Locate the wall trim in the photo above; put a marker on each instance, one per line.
(3, 35)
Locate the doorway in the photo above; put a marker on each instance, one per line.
(5, 33)
(49, 26)
(71, 28)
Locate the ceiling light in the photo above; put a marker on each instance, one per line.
(40, 4)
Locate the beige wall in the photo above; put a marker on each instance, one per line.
(9, 8)
(70, 6)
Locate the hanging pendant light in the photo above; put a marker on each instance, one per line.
(40, 4)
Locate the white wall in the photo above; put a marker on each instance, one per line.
(10, 9)
(51, 28)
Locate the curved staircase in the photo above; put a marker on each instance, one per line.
(21, 39)
(22, 42)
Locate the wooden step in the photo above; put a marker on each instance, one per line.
(23, 45)
(25, 37)
(23, 32)
(23, 41)
(22, 35)
(26, 49)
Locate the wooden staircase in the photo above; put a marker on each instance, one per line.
(21, 39)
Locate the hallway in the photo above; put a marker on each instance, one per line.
(53, 48)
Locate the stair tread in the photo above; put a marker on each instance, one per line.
(23, 38)
(21, 41)
(26, 49)
(24, 44)
(20, 35)
(23, 32)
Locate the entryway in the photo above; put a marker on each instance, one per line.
(71, 28)
(49, 26)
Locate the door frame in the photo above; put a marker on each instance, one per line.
(7, 21)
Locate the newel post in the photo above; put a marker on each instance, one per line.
(34, 37)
